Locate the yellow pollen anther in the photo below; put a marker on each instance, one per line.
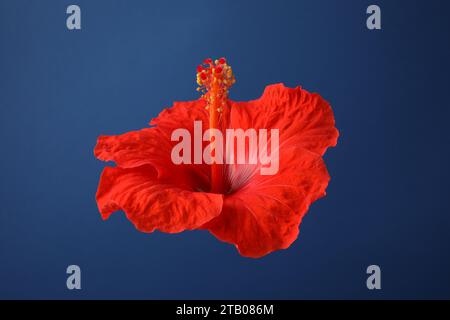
(215, 78)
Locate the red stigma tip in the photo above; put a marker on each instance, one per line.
(222, 60)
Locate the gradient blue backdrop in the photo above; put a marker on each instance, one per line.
(388, 200)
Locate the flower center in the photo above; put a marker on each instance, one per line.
(215, 78)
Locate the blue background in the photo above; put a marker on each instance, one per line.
(388, 200)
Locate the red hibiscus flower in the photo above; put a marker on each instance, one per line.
(235, 202)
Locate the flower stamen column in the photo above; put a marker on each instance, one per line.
(214, 79)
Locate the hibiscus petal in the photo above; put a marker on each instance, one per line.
(153, 145)
(150, 204)
(133, 149)
(264, 216)
(304, 119)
